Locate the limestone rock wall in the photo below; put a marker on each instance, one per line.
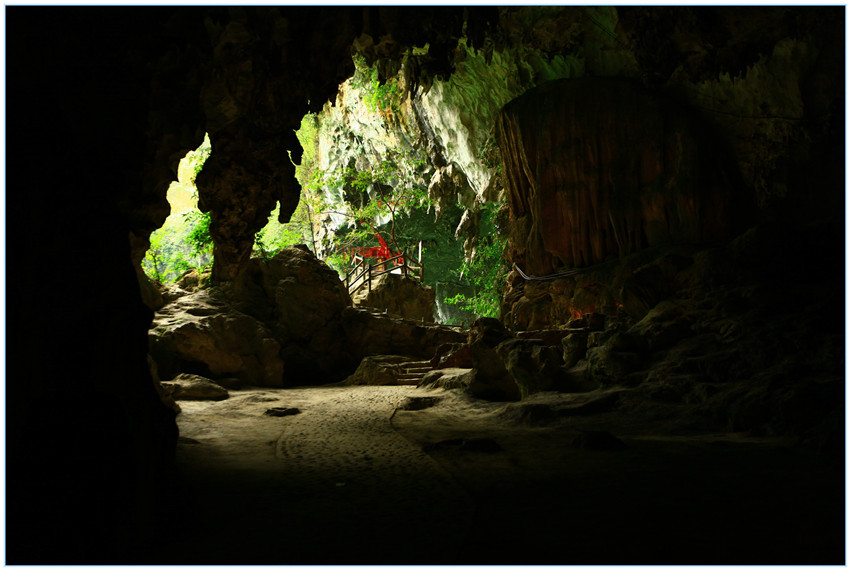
(601, 168)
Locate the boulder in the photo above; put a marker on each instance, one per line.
(648, 286)
(367, 333)
(488, 330)
(663, 326)
(449, 378)
(191, 280)
(613, 362)
(534, 366)
(454, 355)
(294, 292)
(492, 380)
(301, 301)
(202, 333)
(574, 348)
(170, 292)
(194, 387)
(402, 296)
(381, 370)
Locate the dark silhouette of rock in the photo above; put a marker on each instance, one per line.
(367, 333)
(488, 330)
(194, 387)
(456, 355)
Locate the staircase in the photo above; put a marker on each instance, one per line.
(413, 372)
(365, 275)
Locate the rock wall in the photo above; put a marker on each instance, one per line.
(601, 168)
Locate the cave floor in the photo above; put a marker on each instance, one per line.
(355, 478)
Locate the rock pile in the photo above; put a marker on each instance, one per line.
(286, 320)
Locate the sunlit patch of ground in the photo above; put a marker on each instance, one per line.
(399, 475)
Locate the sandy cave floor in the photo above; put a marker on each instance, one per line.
(355, 478)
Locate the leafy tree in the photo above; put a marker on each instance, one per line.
(486, 270)
(276, 236)
(199, 237)
(375, 197)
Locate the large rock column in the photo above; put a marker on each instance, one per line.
(599, 168)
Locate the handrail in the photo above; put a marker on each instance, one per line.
(363, 270)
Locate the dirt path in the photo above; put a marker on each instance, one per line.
(399, 475)
(334, 483)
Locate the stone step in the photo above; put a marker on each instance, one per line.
(411, 376)
(412, 369)
(408, 382)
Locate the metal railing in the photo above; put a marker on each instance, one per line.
(363, 272)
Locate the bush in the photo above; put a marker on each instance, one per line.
(486, 271)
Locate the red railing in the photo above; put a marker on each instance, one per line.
(364, 271)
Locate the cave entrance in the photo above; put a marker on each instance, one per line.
(183, 243)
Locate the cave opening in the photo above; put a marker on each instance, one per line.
(659, 400)
(183, 242)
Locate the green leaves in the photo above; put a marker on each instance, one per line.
(486, 271)
(182, 243)
(276, 236)
(198, 237)
(384, 98)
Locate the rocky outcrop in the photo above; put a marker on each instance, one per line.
(402, 296)
(279, 323)
(378, 370)
(194, 387)
(449, 379)
(294, 292)
(202, 333)
(368, 333)
(457, 355)
(301, 300)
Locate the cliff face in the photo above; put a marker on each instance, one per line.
(600, 168)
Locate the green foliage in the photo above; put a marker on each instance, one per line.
(276, 236)
(388, 191)
(178, 246)
(308, 136)
(486, 271)
(183, 242)
(198, 237)
(490, 155)
(384, 98)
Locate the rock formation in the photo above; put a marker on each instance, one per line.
(609, 169)
(194, 387)
(203, 333)
(402, 296)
